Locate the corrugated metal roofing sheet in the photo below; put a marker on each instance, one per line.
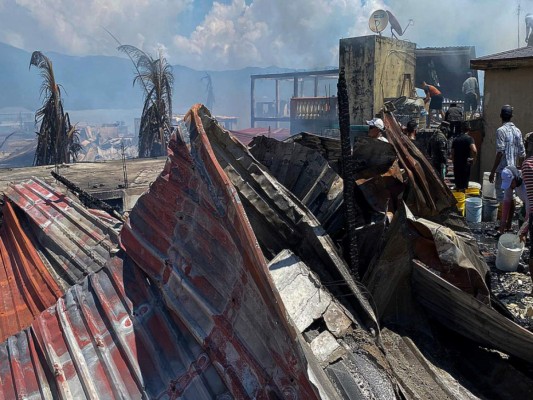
(245, 136)
(26, 285)
(522, 52)
(307, 174)
(75, 240)
(191, 235)
(109, 337)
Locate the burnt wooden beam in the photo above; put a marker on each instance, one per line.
(348, 173)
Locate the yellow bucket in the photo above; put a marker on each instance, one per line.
(461, 198)
(472, 192)
(474, 189)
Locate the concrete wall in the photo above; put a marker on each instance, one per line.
(505, 86)
(375, 67)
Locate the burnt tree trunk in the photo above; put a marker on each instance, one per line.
(348, 173)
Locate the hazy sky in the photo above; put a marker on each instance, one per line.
(204, 34)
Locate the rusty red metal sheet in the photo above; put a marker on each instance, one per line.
(26, 285)
(191, 235)
(429, 196)
(75, 240)
(109, 337)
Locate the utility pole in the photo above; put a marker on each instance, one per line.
(518, 21)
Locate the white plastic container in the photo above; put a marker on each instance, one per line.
(473, 209)
(509, 251)
(488, 189)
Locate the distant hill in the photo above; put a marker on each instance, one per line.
(100, 82)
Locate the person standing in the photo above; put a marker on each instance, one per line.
(471, 92)
(435, 99)
(464, 154)
(509, 149)
(512, 182)
(454, 115)
(527, 177)
(438, 150)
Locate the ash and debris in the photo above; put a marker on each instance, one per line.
(513, 289)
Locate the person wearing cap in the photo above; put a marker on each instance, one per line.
(512, 182)
(376, 127)
(464, 154)
(509, 149)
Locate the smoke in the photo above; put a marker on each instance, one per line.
(297, 33)
(490, 25)
(228, 34)
(75, 27)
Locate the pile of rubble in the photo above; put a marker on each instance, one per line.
(228, 280)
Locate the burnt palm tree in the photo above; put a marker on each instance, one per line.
(155, 75)
(58, 140)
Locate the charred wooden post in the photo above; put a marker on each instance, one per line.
(347, 172)
(87, 199)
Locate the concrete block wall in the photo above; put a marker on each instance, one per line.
(375, 68)
(505, 86)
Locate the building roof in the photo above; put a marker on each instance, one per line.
(91, 176)
(521, 57)
(449, 50)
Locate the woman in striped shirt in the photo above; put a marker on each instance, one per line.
(527, 177)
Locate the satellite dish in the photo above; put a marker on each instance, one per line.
(394, 24)
(378, 21)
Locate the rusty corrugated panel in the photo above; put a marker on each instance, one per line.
(191, 235)
(109, 337)
(428, 195)
(26, 285)
(281, 221)
(330, 148)
(307, 175)
(74, 240)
